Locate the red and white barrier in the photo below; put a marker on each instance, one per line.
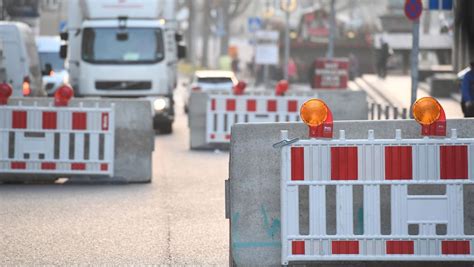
(372, 164)
(50, 140)
(224, 110)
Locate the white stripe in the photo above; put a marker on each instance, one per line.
(292, 210)
(454, 194)
(399, 209)
(317, 210)
(344, 210)
(372, 210)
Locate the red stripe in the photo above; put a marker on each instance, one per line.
(292, 105)
(104, 167)
(49, 120)
(213, 104)
(105, 121)
(398, 163)
(17, 165)
(230, 105)
(19, 120)
(297, 163)
(227, 136)
(453, 161)
(79, 120)
(456, 247)
(48, 166)
(271, 105)
(400, 247)
(251, 105)
(344, 163)
(297, 248)
(78, 166)
(345, 247)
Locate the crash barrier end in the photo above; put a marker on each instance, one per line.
(211, 115)
(132, 148)
(253, 197)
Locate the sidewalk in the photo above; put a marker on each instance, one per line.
(397, 89)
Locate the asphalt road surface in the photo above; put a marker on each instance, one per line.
(176, 220)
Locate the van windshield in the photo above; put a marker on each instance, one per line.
(127, 46)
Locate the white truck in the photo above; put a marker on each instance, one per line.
(125, 48)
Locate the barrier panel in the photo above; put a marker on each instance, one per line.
(49, 140)
(224, 110)
(201, 124)
(411, 205)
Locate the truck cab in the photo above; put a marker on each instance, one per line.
(124, 49)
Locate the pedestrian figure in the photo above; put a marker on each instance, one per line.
(292, 70)
(382, 60)
(467, 92)
(353, 66)
(235, 65)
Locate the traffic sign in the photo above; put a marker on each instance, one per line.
(441, 4)
(254, 24)
(413, 9)
(266, 50)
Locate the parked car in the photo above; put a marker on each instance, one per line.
(22, 69)
(209, 80)
(52, 65)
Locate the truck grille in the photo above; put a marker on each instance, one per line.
(123, 85)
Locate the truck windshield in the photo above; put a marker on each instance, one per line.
(141, 45)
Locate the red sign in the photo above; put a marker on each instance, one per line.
(413, 9)
(331, 73)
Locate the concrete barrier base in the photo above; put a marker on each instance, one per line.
(134, 141)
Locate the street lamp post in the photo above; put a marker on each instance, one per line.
(332, 29)
(287, 6)
(287, 46)
(414, 63)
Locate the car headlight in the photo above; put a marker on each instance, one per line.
(66, 79)
(159, 104)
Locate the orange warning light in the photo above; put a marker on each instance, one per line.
(314, 112)
(426, 110)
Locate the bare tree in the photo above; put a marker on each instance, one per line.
(223, 12)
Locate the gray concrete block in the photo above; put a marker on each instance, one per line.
(443, 84)
(355, 108)
(254, 193)
(134, 139)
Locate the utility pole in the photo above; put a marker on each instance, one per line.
(414, 63)
(225, 20)
(205, 33)
(332, 29)
(288, 6)
(287, 46)
(190, 34)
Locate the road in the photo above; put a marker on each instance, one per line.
(176, 220)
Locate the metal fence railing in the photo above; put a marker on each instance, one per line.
(379, 111)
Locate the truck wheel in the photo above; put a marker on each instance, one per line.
(166, 128)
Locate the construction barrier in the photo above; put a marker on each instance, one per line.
(201, 123)
(413, 187)
(224, 110)
(87, 140)
(65, 140)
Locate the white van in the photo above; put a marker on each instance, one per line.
(21, 60)
(52, 65)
